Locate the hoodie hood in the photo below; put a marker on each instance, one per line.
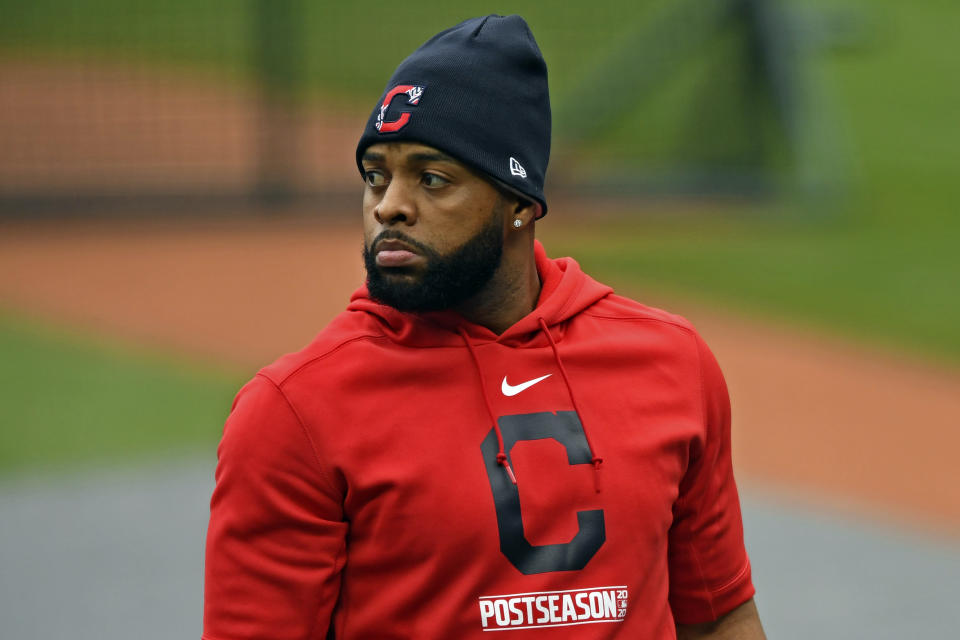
(565, 291)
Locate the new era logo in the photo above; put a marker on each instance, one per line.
(517, 169)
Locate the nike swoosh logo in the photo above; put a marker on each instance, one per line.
(512, 390)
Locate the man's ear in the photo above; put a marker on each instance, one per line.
(526, 211)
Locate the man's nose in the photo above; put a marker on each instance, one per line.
(398, 205)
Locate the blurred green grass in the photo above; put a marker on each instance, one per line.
(350, 48)
(888, 290)
(74, 401)
(878, 261)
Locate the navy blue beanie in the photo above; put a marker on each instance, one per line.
(478, 92)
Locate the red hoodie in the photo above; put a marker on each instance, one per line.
(366, 483)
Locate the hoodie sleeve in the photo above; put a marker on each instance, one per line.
(276, 539)
(709, 568)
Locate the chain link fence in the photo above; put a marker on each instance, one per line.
(176, 104)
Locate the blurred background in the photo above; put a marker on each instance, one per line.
(179, 205)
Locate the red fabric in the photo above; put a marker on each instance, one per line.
(352, 491)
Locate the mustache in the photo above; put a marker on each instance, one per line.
(393, 234)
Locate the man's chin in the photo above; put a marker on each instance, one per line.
(408, 276)
(395, 288)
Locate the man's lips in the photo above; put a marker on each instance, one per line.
(395, 253)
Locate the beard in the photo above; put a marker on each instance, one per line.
(447, 281)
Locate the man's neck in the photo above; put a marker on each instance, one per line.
(511, 294)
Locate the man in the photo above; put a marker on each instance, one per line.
(486, 439)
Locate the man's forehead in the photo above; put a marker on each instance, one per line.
(407, 152)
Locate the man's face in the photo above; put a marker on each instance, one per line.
(433, 229)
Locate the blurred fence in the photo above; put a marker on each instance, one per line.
(181, 103)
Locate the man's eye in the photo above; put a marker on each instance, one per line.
(433, 180)
(375, 178)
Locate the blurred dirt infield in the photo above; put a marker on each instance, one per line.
(864, 432)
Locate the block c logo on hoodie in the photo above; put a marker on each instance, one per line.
(414, 92)
(565, 428)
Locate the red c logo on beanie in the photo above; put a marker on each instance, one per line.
(413, 97)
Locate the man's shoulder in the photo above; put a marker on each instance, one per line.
(348, 329)
(655, 331)
(620, 308)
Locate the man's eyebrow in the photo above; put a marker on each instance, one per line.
(431, 156)
(372, 156)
